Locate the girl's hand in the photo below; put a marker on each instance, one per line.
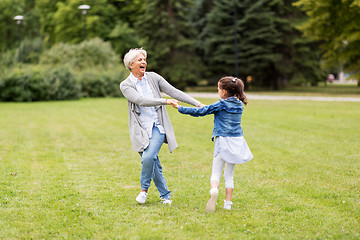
(176, 105)
(173, 102)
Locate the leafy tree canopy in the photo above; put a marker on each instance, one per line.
(170, 41)
(9, 31)
(336, 24)
(62, 21)
(270, 49)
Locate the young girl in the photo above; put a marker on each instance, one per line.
(230, 145)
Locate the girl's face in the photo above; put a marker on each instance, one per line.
(222, 93)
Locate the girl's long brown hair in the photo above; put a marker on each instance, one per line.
(234, 87)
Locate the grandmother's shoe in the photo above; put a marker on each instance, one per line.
(166, 201)
(141, 198)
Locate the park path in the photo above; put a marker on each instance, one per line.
(271, 97)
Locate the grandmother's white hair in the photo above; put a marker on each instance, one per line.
(130, 57)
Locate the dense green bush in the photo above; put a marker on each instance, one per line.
(89, 69)
(31, 50)
(27, 83)
(101, 82)
(38, 83)
(8, 58)
(88, 54)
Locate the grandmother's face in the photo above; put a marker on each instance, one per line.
(138, 67)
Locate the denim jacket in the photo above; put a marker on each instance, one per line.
(227, 116)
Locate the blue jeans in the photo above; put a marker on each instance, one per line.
(150, 165)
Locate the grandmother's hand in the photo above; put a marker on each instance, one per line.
(173, 102)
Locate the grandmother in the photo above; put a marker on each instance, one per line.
(149, 123)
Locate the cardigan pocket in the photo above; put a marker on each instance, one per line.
(139, 137)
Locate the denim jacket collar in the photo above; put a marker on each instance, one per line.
(232, 105)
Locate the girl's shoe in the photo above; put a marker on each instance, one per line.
(211, 205)
(227, 205)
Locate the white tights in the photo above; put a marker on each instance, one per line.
(218, 165)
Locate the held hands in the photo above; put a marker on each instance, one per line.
(173, 102)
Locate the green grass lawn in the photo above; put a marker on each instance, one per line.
(68, 172)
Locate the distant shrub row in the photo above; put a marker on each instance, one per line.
(42, 83)
(87, 54)
(65, 71)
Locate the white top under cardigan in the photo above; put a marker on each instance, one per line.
(148, 115)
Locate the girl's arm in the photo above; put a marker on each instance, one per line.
(202, 111)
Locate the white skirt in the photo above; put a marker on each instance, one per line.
(232, 149)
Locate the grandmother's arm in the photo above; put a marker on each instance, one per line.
(134, 96)
(177, 94)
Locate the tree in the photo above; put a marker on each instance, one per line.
(169, 40)
(335, 24)
(300, 57)
(199, 22)
(46, 9)
(123, 36)
(129, 11)
(110, 20)
(8, 10)
(62, 20)
(270, 48)
(8, 27)
(256, 33)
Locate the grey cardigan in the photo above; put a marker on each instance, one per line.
(138, 135)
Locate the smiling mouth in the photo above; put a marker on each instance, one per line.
(142, 67)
